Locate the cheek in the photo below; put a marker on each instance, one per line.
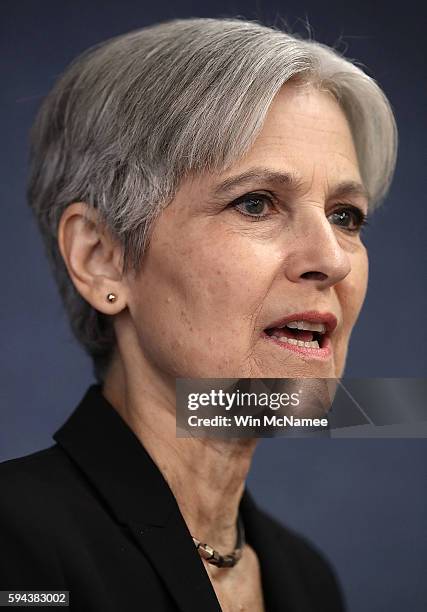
(197, 304)
(223, 284)
(351, 294)
(356, 287)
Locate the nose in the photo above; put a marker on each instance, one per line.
(316, 254)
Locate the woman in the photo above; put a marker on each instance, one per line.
(198, 184)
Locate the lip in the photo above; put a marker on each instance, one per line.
(327, 318)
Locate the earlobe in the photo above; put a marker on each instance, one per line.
(92, 258)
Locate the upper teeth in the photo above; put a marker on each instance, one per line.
(317, 327)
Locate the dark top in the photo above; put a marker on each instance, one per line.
(93, 514)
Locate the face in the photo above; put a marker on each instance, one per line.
(276, 237)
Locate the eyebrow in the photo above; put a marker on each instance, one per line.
(290, 181)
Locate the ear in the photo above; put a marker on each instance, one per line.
(93, 259)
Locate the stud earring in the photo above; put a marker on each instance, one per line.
(111, 297)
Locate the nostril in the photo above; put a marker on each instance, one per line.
(314, 276)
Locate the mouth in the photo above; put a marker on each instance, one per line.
(306, 333)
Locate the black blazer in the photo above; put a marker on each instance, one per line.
(93, 514)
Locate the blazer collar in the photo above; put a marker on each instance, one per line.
(98, 440)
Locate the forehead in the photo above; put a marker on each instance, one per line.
(305, 146)
(305, 127)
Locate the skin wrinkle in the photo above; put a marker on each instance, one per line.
(209, 284)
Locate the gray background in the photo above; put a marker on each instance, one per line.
(363, 502)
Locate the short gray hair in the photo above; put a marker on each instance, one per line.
(132, 116)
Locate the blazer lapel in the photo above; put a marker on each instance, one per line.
(173, 554)
(97, 439)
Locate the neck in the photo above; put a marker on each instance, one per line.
(206, 476)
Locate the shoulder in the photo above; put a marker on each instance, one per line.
(38, 490)
(34, 489)
(34, 462)
(33, 477)
(30, 496)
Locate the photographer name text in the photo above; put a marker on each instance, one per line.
(250, 421)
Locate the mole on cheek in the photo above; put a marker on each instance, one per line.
(186, 319)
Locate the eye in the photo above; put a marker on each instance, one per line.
(253, 205)
(349, 218)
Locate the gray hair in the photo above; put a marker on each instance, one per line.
(132, 116)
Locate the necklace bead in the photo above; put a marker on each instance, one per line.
(213, 557)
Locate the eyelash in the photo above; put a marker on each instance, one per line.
(359, 216)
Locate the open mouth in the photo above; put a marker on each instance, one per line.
(300, 333)
(309, 337)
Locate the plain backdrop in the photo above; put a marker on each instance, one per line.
(363, 502)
